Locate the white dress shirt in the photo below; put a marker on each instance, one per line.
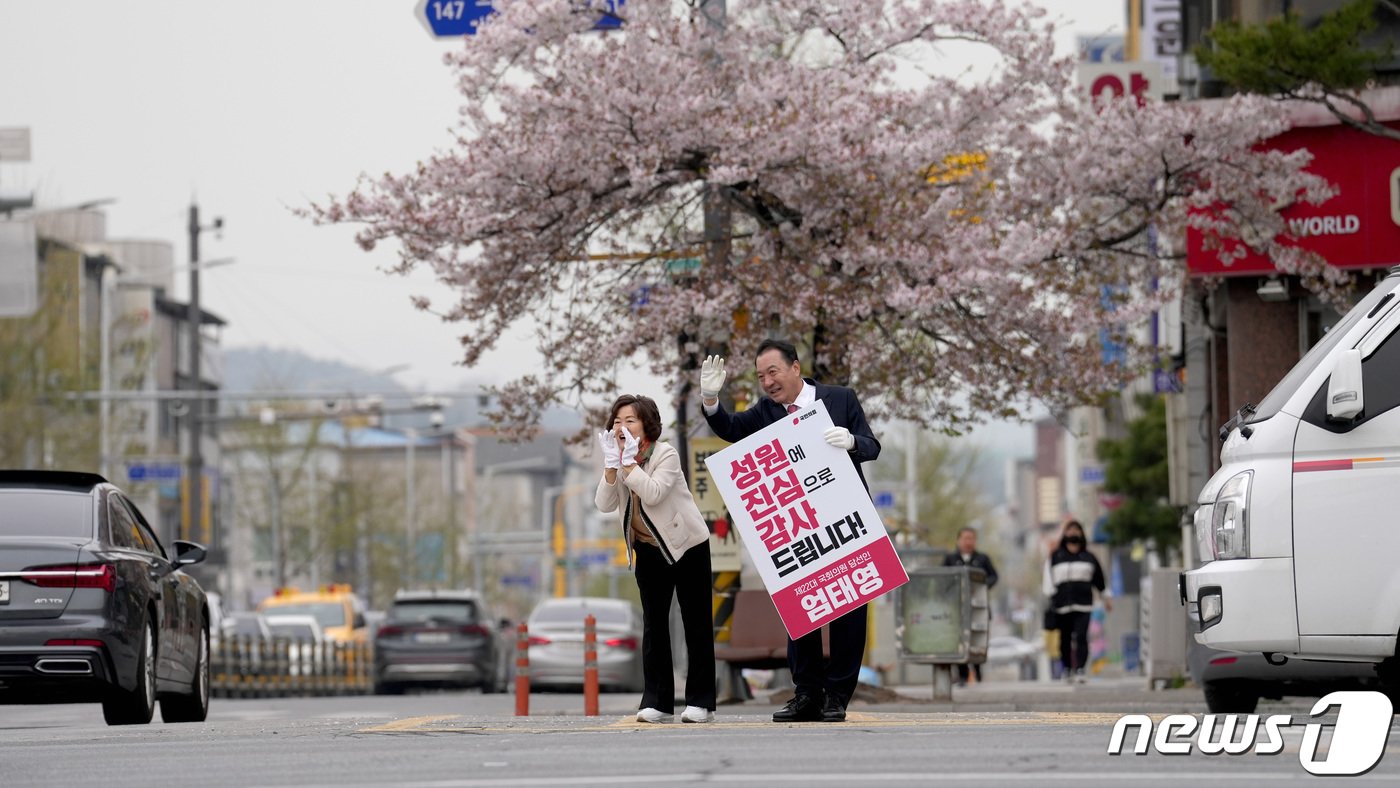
(805, 397)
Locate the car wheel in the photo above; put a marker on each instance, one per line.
(194, 706)
(1230, 697)
(137, 706)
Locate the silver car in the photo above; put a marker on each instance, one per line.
(556, 643)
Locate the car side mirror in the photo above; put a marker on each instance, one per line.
(188, 553)
(1345, 398)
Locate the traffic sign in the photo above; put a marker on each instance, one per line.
(152, 471)
(455, 18)
(884, 500)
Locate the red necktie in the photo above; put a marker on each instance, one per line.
(792, 408)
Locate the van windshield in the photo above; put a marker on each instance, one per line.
(1281, 393)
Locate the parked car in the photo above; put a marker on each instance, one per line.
(246, 636)
(1014, 652)
(439, 638)
(92, 608)
(304, 637)
(556, 643)
(247, 625)
(216, 618)
(296, 628)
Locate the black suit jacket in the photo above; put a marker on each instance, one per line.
(840, 402)
(978, 560)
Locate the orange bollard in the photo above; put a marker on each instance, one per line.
(522, 671)
(590, 666)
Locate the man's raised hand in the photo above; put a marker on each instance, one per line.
(712, 377)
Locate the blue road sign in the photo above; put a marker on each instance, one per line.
(884, 500)
(593, 558)
(1090, 474)
(455, 18)
(518, 580)
(152, 471)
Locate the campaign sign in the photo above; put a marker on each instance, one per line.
(806, 520)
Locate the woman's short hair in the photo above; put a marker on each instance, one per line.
(646, 410)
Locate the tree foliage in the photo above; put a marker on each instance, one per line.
(1136, 468)
(946, 483)
(1325, 63)
(924, 233)
(42, 357)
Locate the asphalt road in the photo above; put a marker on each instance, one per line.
(447, 740)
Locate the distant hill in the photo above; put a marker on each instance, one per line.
(284, 369)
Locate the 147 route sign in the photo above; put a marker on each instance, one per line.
(454, 18)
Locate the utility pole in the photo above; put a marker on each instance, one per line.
(717, 224)
(195, 406)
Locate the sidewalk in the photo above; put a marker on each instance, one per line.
(1122, 694)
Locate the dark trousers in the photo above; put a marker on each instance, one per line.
(963, 672)
(812, 675)
(689, 580)
(1074, 639)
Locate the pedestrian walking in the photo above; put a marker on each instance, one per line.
(668, 544)
(1072, 574)
(966, 555)
(823, 688)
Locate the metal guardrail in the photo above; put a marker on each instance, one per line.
(248, 667)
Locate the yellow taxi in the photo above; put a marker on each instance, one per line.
(339, 611)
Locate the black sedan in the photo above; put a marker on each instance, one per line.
(91, 606)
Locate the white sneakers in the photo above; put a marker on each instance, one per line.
(691, 714)
(654, 716)
(697, 714)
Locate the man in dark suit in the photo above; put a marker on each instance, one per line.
(967, 555)
(822, 691)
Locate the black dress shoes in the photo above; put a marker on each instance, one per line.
(802, 708)
(833, 710)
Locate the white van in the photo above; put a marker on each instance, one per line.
(1300, 528)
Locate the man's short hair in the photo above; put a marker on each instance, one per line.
(786, 348)
(966, 530)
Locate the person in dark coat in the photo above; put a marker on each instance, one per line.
(822, 691)
(967, 555)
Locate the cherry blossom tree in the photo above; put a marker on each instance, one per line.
(952, 244)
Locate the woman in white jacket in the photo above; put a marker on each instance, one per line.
(668, 543)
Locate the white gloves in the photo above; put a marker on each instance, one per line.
(629, 448)
(612, 453)
(712, 377)
(840, 437)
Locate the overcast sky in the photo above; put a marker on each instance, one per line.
(254, 107)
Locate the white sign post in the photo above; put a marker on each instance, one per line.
(806, 520)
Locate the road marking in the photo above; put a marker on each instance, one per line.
(853, 720)
(408, 724)
(862, 778)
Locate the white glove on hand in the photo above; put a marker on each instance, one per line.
(612, 453)
(629, 448)
(840, 437)
(712, 377)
